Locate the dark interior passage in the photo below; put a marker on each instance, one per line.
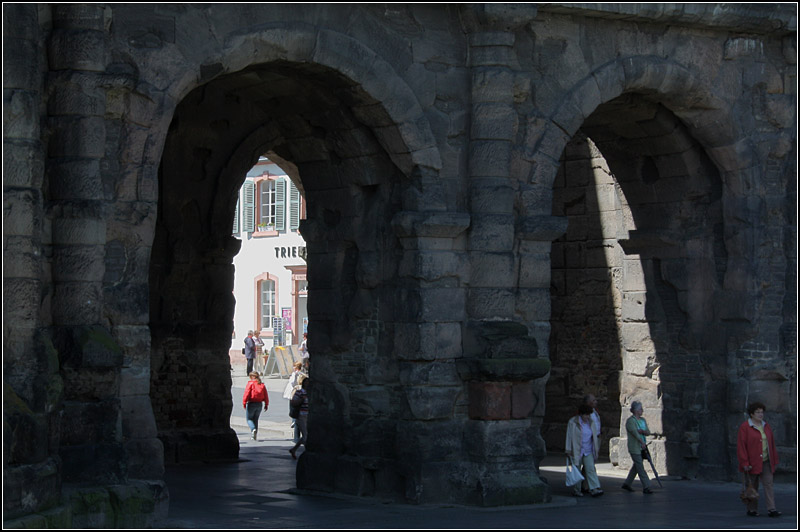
(634, 280)
(317, 124)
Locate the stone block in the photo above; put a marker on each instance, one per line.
(489, 158)
(91, 508)
(492, 85)
(20, 114)
(523, 399)
(76, 180)
(78, 49)
(372, 401)
(490, 303)
(20, 297)
(493, 121)
(437, 373)
(491, 195)
(137, 417)
(133, 505)
(442, 304)
(489, 400)
(89, 423)
(431, 402)
(634, 306)
(19, 55)
(81, 98)
(22, 213)
(432, 265)
(23, 164)
(78, 263)
(145, 458)
(491, 233)
(83, 137)
(492, 270)
(533, 304)
(534, 271)
(638, 364)
(490, 440)
(642, 389)
(637, 337)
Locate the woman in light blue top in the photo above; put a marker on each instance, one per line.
(637, 430)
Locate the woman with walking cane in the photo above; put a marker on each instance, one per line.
(758, 458)
(636, 427)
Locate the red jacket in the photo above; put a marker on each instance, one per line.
(748, 448)
(255, 392)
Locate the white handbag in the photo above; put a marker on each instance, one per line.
(573, 474)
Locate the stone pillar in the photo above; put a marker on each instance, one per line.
(428, 347)
(500, 361)
(91, 446)
(32, 387)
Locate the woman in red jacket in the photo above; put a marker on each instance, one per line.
(255, 393)
(758, 457)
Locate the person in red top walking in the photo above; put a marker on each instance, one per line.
(255, 393)
(758, 457)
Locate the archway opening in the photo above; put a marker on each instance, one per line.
(634, 281)
(332, 139)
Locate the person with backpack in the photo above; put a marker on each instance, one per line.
(298, 409)
(255, 394)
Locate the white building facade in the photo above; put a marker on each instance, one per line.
(270, 284)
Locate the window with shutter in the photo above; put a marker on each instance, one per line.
(266, 208)
(280, 204)
(294, 207)
(248, 210)
(236, 219)
(268, 307)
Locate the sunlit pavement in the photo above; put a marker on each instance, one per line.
(258, 491)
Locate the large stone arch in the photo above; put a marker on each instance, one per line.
(348, 150)
(305, 44)
(668, 98)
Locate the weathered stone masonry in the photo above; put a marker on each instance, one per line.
(509, 206)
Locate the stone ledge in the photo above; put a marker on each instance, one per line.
(511, 369)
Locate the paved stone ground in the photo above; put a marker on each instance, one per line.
(259, 491)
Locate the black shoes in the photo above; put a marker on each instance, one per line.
(627, 488)
(648, 491)
(771, 513)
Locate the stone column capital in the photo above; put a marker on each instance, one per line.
(490, 17)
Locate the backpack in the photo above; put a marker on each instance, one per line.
(294, 405)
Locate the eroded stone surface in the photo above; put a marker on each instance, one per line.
(495, 192)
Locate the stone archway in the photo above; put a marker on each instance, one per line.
(314, 117)
(657, 275)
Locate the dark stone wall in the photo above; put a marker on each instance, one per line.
(428, 140)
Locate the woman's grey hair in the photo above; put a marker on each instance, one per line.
(635, 405)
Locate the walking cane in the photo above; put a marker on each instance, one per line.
(646, 454)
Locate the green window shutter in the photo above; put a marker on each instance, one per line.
(236, 219)
(280, 204)
(249, 208)
(294, 207)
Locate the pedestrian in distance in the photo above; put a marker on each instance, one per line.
(303, 348)
(758, 457)
(637, 432)
(591, 401)
(249, 351)
(260, 358)
(582, 446)
(299, 411)
(288, 393)
(255, 396)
